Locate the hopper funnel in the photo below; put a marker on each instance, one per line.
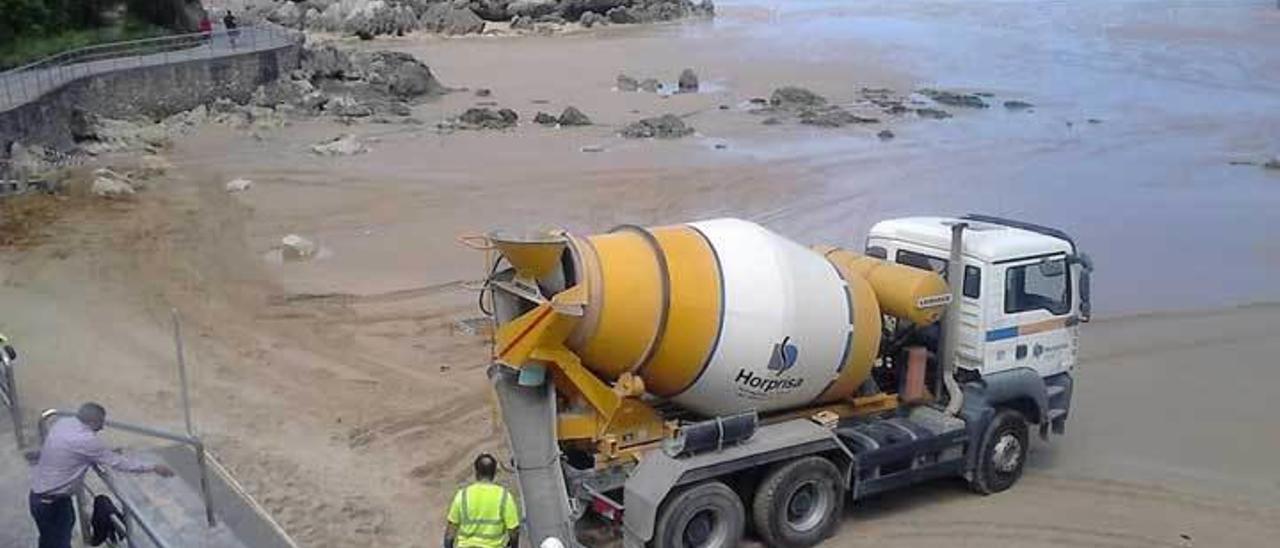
(534, 254)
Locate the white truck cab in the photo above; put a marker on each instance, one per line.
(1025, 288)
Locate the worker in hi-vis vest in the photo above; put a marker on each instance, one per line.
(483, 514)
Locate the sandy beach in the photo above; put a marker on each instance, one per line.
(346, 395)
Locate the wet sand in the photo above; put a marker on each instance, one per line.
(342, 394)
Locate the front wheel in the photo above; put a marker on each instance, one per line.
(1003, 453)
(706, 515)
(799, 503)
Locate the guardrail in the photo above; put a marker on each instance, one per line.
(21, 85)
(130, 509)
(9, 389)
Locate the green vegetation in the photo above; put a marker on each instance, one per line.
(32, 29)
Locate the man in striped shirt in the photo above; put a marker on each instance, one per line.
(71, 447)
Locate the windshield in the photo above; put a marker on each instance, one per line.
(1044, 285)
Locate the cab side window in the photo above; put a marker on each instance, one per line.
(1039, 286)
(972, 274)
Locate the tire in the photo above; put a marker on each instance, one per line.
(1003, 453)
(706, 515)
(799, 503)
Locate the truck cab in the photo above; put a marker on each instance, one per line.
(1025, 288)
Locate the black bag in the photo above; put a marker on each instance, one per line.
(102, 529)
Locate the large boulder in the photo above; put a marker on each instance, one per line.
(403, 74)
(288, 14)
(590, 19)
(532, 8)
(342, 145)
(667, 126)
(491, 10)
(792, 97)
(109, 184)
(326, 62)
(487, 118)
(688, 82)
(573, 117)
(445, 18)
(622, 15)
(627, 83)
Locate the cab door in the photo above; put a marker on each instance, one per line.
(1034, 322)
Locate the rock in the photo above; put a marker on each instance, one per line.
(723, 107)
(1017, 105)
(951, 98)
(445, 18)
(83, 126)
(573, 117)
(721, 146)
(109, 184)
(897, 108)
(771, 121)
(592, 148)
(403, 74)
(397, 108)
(238, 185)
(833, 117)
(651, 85)
(153, 165)
(792, 97)
(342, 145)
(491, 10)
(296, 248)
(932, 113)
(288, 14)
(486, 118)
(590, 19)
(1273, 163)
(627, 83)
(348, 107)
(688, 81)
(532, 9)
(484, 92)
(1094, 121)
(313, 101)
(545, 119)
(667, 126)
(758, 101)
(621, 15)
(885, 135)
(522, 22)
(325, 62)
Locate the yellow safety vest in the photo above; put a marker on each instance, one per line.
(484, 513)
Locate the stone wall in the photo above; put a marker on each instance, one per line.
(151, 91)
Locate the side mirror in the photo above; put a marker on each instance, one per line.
(1052, 268)
(1086, 306)
(10, 354)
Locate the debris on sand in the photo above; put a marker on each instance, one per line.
(688, 82)
(885, 135)
(771, 121)
(296, 248)
(833, 116)
(573, 117)
(342, 145)
(954, 99)
(627, 83)
(487, 118)
(109, 184)
(933, 113)
(542, 118)
(1017, 105)
(667, 126)
(592, 148)
(239, 184)
(794, 98)
(484, 92)
(1094, 121)
(651, 85)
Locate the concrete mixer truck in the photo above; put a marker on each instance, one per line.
(693, 382)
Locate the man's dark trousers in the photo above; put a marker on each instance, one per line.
(55, 519)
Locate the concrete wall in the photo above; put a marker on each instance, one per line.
(154, 91)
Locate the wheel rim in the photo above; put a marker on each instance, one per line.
(1007, 454)
(705, 529)
(807, 506)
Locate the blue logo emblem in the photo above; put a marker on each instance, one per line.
(784, 356)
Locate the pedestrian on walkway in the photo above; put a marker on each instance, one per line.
(71, 447)
(233, 27)
(483, 514)
(206, 27)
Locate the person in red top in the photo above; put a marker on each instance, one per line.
(206, 26)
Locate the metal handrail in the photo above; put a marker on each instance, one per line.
(32, 80)
(9, 396)
(188, 440)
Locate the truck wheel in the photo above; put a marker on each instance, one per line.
(707, 515)
(1003, 453)
(799, 503)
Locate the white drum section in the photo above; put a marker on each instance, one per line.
(786, 327)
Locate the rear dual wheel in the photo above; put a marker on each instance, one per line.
(799, 503)
(705, 515)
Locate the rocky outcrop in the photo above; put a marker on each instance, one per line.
(487, 118)
(573, 117)
(667, 126)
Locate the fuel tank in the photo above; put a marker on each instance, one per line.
(724, 316)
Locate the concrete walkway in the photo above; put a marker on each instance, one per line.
(21, 87)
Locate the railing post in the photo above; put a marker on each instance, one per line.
(15, 406)
(202, 463)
